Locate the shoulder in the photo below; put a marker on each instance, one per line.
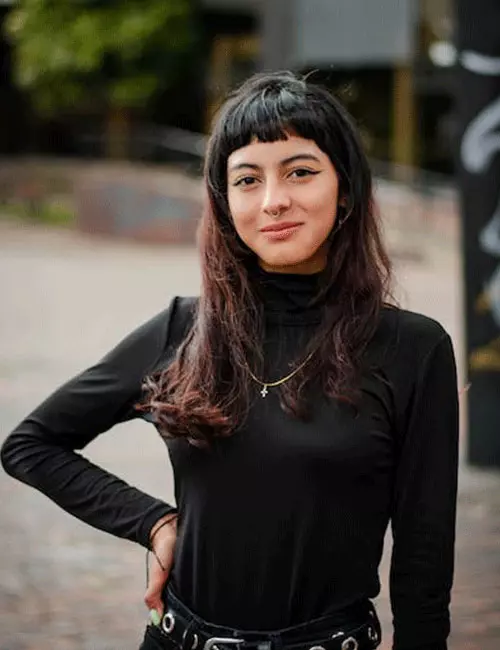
(173, 323)
(184, 306)
(408, 349)
(404, 340)
(180, 310)
(408, 328)
(182, 313)
(152, 337)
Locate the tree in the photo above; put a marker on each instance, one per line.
(99, 55)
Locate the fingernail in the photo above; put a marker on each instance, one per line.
(154, 616)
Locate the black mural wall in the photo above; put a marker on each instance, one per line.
(478, 106)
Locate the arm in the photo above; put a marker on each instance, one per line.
(424, 507)
(41, 450)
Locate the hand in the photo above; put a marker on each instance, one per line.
(164, 537)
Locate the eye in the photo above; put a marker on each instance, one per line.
(302, 172)
(246, 181)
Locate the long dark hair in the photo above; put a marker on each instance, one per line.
(206, 391)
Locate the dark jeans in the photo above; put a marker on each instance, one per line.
(156, 640)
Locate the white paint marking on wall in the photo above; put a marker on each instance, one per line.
(480, 143)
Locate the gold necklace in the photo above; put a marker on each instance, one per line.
(272, 384)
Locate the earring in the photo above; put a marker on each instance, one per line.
(342, 216)
(345, 217)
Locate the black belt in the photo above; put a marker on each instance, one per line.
(190, 632)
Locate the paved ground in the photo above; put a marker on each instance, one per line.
(65, 300)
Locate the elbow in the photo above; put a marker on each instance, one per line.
(15, 454)
(8, 455)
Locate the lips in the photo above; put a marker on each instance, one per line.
(280, 227)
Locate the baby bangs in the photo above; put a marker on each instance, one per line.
(271, 107)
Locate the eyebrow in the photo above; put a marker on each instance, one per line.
(283, 163)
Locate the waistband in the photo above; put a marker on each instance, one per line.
(352, 628)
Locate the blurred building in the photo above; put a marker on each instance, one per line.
(391, 61)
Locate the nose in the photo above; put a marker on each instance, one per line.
(276, 199)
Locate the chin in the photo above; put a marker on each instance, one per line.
(290, 263)
(282, 259)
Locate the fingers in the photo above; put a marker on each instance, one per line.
(161, 564)
(154, 617)
(153, 596)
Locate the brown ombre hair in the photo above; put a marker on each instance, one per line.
(206, 391)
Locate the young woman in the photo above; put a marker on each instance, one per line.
(302, 412)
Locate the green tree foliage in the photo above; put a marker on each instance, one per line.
(98, 54)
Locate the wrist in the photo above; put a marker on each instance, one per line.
(166, 525)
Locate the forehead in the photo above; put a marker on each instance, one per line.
(273, 153)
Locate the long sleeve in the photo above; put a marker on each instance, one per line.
(424, 507)
(41, 451)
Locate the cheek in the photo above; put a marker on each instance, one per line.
(244, 213)
(321, 209)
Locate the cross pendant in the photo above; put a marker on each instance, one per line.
(264, 391)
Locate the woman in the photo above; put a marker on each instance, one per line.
(301, 411)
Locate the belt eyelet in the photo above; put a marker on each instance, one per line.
(316, 647)
(168, 623)
(194, 642)
(350, 644)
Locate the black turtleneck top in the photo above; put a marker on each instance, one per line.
(284, 521)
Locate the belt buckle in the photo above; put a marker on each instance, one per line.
(211, 644)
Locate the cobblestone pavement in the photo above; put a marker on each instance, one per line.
(65, 300)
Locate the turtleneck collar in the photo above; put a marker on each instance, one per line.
(289, 298)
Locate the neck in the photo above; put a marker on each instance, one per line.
(289, 297)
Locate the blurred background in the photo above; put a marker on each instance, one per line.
(105, 107)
